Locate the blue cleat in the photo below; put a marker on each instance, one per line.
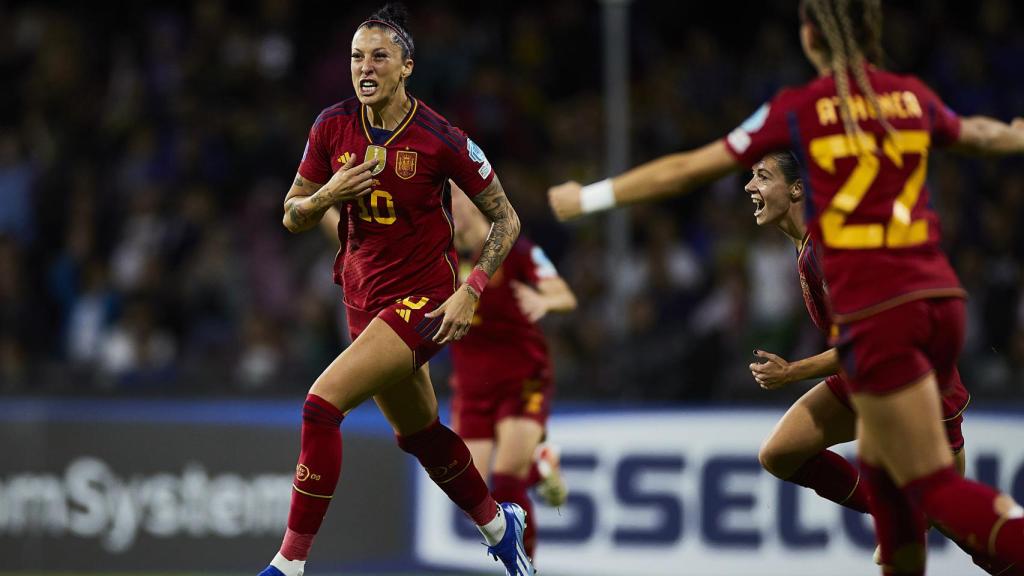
(271, 571)
(510, 550)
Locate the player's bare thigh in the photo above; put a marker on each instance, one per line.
(517, 438)
(409, 404)
(903, 430)
(482, 449)
(814, 422)
(376, 359)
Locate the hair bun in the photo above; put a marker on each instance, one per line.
(394, 13)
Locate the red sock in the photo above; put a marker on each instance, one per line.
(833, 478)
(448, 462)
(533, 476)
(898, 523)
(316, 475)
(508, 488)
(966, 509)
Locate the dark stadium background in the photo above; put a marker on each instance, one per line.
(146, 147)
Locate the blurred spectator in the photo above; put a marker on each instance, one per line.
(142, 170)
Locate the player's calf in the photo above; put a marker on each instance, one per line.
(977, 515)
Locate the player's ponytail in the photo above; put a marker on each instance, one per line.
(872, 18)
(851, 30)
(393, 17)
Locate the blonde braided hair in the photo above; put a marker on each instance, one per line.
(847, 54)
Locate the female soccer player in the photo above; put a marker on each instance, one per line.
(863, 136)
(502, 380)
(386, 158)
(797, 449)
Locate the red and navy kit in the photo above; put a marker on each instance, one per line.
(502, 367)
(815, 292)
(870, 213)
(398, 259)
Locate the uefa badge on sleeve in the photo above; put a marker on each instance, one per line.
(378, 152)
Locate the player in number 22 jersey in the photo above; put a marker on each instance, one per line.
(863, 137)
(502, 379)
(797, 449)
(386, 159)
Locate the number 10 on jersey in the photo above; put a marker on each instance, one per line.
(381, 208)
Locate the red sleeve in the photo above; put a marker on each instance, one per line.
(467, 165)
(944, 123)
(765, 131)
(316, 160)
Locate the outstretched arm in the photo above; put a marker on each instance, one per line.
(670, 175)
(983, 135)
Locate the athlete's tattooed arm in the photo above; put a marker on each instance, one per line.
(458, 309)
(301, 206)
(307, 201)
(504, 226)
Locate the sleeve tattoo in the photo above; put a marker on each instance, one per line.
(504, 226)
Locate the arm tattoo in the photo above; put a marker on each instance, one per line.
(504, 226)
(301, 219)
(298, 182)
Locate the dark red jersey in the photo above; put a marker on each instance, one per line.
(813, 287)
(870, 211)
(398, 241)
(503, 343)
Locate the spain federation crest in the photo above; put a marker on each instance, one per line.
(405, 164)
(378, 152)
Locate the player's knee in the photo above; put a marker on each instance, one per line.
(774, 459)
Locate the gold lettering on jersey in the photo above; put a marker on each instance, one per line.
(896, 104)
(378, 152)
(405, 164)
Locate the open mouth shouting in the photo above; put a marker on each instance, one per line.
(367, 87)
(759, 203)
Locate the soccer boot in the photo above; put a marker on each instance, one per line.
(551, 488)
(510, 549)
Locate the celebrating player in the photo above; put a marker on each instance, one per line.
(502, 380)
(386, 158)
(823, 417)
(796, 450)
(863, 136)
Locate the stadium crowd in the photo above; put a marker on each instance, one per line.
(145, 154)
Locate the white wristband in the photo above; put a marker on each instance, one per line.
(597, 196)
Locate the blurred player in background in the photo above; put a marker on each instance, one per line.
(386, 159)
(797, 449)
(863, 136)
(502, 377)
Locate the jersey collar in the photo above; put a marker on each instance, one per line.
(364, 116)
(803, 245)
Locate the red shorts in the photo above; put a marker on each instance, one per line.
(407, 317)
(477, 407)
(953, 406)
(883, 353)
